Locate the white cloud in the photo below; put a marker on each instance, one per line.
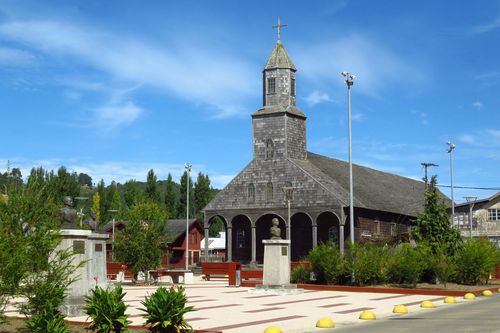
(317, 97)
(375, 67)
(200, 75)
(467, 138)
(115, 115)
(15, 57)
(477, 105)
(358, 116)
(488, 26)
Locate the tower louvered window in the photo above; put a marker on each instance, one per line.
(271, 85)
(269, 192)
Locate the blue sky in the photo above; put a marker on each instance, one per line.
(114, 88)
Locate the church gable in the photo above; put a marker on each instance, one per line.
(260, 186)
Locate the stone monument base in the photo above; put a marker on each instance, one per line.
(286, 289)
(276, 277)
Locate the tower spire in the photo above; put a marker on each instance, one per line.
(279, 28)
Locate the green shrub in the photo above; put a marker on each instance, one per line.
(45, 292)
(328, 265)
(442, 265)
(368, 262)
(107, 310)
(300, 274)
(48, 321)
(407, 264)
(165, 310)
(476, 260)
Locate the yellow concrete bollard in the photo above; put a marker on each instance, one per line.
(427, 305)
(469, 296)
(325, 323)
(400, 308)
(487, 293)
(367, 315)
(273, 329)
(450, 300)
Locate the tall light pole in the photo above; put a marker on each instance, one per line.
(471, 200)
(288, 196)
(451, 146)
(350, 81)
(188, 167)
(113, 211)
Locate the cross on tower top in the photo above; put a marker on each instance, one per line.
(279, 28)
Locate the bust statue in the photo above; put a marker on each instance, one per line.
(275, 229)
(92, 222)
(68, 215)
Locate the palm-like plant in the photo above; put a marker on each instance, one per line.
(107, 310)
(165, 310)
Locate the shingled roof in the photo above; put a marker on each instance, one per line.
(279, 58)
(373, 189)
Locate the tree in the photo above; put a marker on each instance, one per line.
(202, 194)
(116, 204)
(139, 244)
(151, 192)
(29, 224)
(181, 208)
(96, 206)
(63, 184)
(131, 193)
(171, 197)
(216, 226)
(433, 225)
(84, 179)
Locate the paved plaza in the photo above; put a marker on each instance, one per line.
(229, 309)
(234, 309)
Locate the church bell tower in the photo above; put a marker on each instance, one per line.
(279, 127)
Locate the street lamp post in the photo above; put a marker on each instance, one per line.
(350, 81)
(113, 211)
(471, 200)
(451, 146)
(288, 195)
(188, 167)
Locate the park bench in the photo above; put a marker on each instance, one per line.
(215, 269)
(174, 274)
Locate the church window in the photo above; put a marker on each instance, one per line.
(377, 227)
(269, 149)
(251, 193)
(240, 239)
(292, 87)
(333, 234)
(271, 85)
(193, 239)
(269, 192)
(394, 230)
(494, 214)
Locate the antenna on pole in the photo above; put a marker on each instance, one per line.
(426, 165)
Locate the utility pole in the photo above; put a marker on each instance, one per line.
(188, 167)
(451, 146)
(426, 165)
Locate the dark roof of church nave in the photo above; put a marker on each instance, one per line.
(373, 189)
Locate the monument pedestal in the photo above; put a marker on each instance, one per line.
(89, 247)
(276, 269)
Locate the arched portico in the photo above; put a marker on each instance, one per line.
(213, 256)
(328, 227)
(301, 236)
(242, 239)
(262, 226)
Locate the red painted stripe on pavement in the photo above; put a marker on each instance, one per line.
(251, 323)
(217, 306)
(201, 300)
(262, 296)
(388, 297)
(353, 310)
(333, 305)
(263, 310)
(305, 300)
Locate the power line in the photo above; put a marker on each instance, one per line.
(473, 188)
